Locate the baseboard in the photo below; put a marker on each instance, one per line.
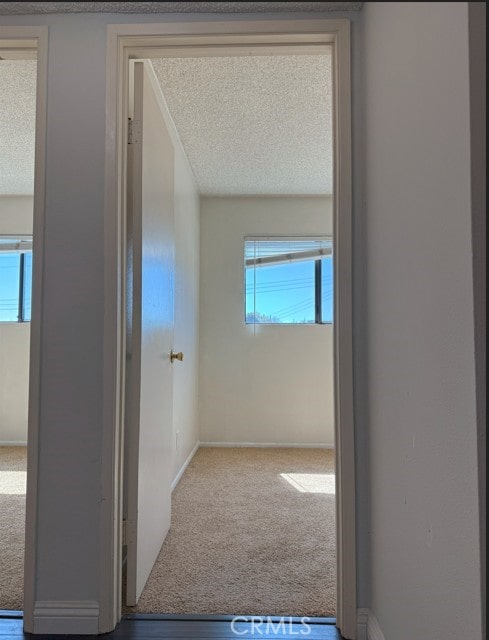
(368, 627)
(362, 621)
(374, 632)
(8, 443)
(184, 466)
(70, 617)
(278, 445)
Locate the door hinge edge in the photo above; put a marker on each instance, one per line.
(133, 131)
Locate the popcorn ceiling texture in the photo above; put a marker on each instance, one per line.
(249, 125)
(253, 124)
(11, 8)
(17, 126)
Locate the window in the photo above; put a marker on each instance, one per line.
(288, 280)
(15, 279)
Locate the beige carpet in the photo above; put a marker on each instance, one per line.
(253, 532)
(12, 527)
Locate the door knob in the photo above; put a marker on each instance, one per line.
(176, 356)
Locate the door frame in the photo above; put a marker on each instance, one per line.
(211, 38)
(32, 42)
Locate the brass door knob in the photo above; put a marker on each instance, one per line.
(176, 356)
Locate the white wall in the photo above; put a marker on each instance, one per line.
(185, 385)
(70, 551)
(68, 545)
(478, 114)
(15, 218)
(423, 449)
(259, 383)
(16, 215)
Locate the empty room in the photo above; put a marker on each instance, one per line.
(17, 132)
(229, 482)
(177, 430)
(229, 435)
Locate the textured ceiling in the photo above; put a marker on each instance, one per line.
(254, 124)
(249, 125)
(25, 8)
(17, 126)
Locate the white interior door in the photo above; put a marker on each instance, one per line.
(149, 386)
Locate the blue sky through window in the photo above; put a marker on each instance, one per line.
(27, 285)
(327, 289)
(285, 293)
(10, 286)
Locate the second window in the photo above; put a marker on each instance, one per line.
(288, 280)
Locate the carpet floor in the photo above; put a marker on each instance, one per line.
(253, 532)
(12, 526)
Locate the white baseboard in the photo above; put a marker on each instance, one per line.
(70, 617)
(278, 445)
(362, 621)
(184, 466)
(368, 627)
(374, 632)
(8, 443)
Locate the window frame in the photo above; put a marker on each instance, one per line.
(317, 277)
(21, 293)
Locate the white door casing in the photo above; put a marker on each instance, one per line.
(33, 41)
(122, 40)
(149, 375)
(229, 37)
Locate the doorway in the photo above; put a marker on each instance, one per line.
(18, 78)
(346, 609)
(267, 300)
